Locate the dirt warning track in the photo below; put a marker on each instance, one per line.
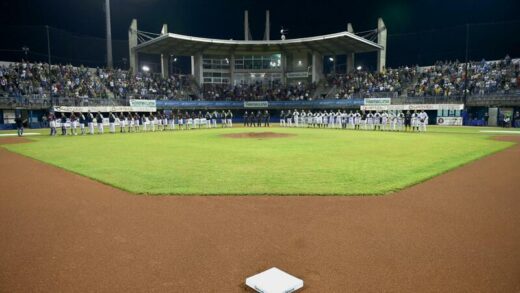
(459, 232)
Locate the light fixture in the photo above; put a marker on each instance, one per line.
(331, 59)
(146, 68)
(175, 59)
(300, 63)
(359, 67)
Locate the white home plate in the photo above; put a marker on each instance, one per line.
(274, 280)
(16, 134)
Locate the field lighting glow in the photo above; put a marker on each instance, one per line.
(146, 68)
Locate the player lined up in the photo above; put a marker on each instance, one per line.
(358, 120)
(92, 123)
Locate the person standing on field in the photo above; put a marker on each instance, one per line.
(19, 124)
(63, 121)
(423, 121)
(407, 121)
(90, 121)
(267, 118)
(99, 120)
(82, 122)
(112, 122)
(282, 119)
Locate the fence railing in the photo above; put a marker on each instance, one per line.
(43, 102)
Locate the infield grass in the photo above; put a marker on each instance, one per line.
(314, 162)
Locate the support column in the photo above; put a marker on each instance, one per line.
(132, 43)
(350, 57)
(232, 69)
(283, 62)
(381, 40)
(247, 33)
(317, 67)
(196, 68)
(165, 64)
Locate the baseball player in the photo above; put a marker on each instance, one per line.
(423, 121)
(82, 123)
(229, 118)
(296, 117)
(99, 120)
(112, 122)
(74, 123)
(63, 121)
(377, 120)
(415, 121)
(282, 119)
(288, 118)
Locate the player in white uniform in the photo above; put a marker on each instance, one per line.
(377, 121)
(370, 121)
(423, 121)
(384, 121)
(91, 122)
(112, 122)
(392, 118)
(303, 118)
(415, 121)
(296, 117)
(339, 119)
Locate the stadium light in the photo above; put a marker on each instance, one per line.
(146, 68)
(175, 59)
(359, 67)
(300, 63)
(331, 59)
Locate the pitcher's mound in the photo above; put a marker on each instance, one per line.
(259, 135)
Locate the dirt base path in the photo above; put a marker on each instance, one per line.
(459, 232)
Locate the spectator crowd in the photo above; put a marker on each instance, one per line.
(441, 79)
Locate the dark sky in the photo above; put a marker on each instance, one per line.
(420, 31)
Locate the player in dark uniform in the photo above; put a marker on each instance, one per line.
(267, 118)
(246, 116)
(19, 125)
(259, 118)
(407, 121)
(63, 121)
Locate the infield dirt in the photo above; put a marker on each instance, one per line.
(458, 232)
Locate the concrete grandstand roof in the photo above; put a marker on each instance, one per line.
(332, 44)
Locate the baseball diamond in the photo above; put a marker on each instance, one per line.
(172, 150)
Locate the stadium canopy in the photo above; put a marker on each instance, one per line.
(331, 44)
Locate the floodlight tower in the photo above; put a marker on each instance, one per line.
(109, 34)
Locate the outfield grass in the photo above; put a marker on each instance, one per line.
(315, 161)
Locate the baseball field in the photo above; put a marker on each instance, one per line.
(277, 161)
(446, 221)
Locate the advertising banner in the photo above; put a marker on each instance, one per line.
(449, 121)
(260, 104)
(413, 107)
(143, 103)
(103, 109)
(377, 101)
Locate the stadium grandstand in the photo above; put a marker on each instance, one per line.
(274, 74)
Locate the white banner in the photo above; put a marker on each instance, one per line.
(261, 104)
(377, 101)
(104, 109)
(301, 74)
(414, 107)
(143, 103)
(449, 121)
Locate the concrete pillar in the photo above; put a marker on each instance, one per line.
(381, 40)
(132, 43)
(267, 34)
(246, 26)
(283, 64)
(232, 69)
(350, 57)
(165, 62)
(196, 68)
(317, 67)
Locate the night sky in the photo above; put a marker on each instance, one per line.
(419, 31)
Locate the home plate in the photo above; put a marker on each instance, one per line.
(274, 280)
